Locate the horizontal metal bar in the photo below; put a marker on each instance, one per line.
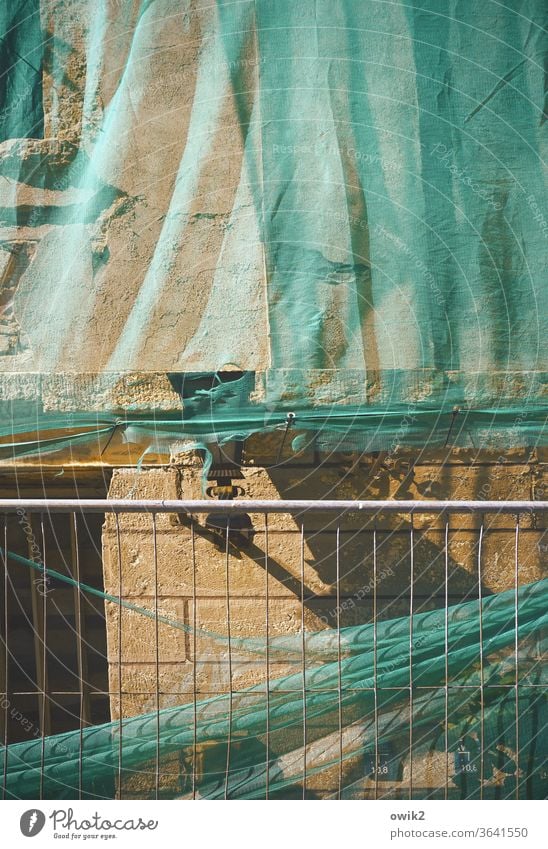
(71, 505)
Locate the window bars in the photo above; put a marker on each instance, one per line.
(347, 649)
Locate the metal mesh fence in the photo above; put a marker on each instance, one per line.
(127, 674)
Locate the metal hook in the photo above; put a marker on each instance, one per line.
(288, 423)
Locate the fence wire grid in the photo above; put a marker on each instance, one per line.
(254, 649)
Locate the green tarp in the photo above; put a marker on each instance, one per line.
(358, 186)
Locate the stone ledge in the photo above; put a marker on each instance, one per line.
(144, 390)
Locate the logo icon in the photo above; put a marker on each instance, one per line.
(32, 822)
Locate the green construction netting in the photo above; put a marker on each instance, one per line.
(22, 51)
(461, 662)
(343, 199)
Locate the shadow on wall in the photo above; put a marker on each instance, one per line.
(353, 545)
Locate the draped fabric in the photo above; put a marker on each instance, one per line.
(343, 200)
